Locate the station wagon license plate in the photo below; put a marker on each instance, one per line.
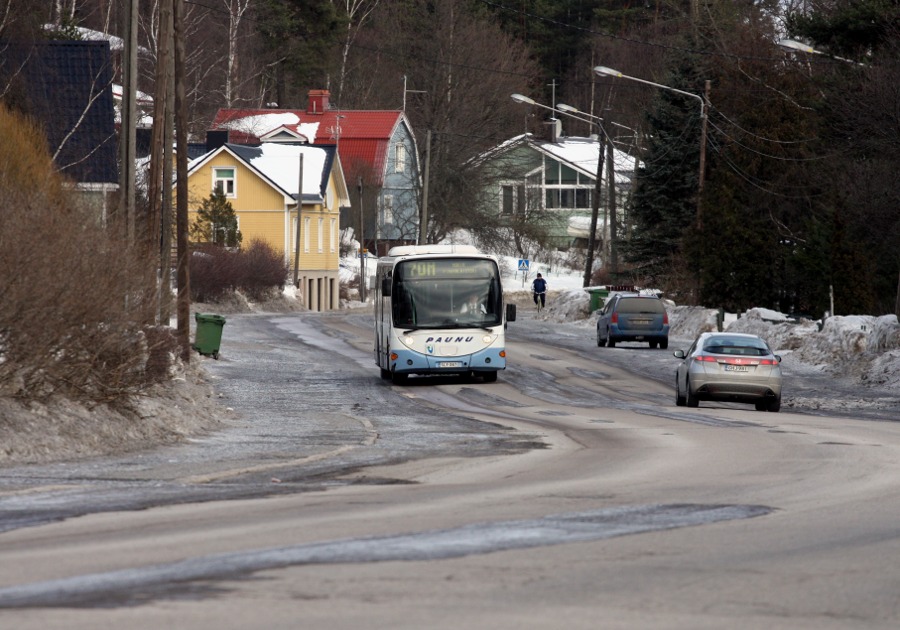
(449, 364)
(737, 368)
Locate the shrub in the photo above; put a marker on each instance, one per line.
(262, 269)
(74, 299)
(217, 272)
(213, 273)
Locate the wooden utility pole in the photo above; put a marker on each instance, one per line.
(299, 214)
(595, 210)
(423, 219)
(362, 248)
(611, 198)
(183, 278)
(165, 241)
(128, 129)
(704, 117)
(152, 238)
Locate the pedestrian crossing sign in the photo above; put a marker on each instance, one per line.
(523, 264)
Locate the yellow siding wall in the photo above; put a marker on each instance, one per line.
(262, 214)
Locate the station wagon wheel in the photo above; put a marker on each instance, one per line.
(610, 343)
(664, 344)
(599, 340)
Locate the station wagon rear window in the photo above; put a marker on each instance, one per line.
(640, 305)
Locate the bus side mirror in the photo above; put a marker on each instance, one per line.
(386, 287)
(510, 312)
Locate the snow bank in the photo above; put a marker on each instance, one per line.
(690, 321)
(780, 332)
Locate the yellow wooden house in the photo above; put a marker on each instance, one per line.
(262, 184)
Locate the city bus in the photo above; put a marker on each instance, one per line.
(439, 310)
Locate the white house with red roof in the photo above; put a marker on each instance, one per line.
(376, 148)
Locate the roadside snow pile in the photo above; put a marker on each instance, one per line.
(780, 332)
(885, 370)
(567, 305)
(861, 345)
(690, 321)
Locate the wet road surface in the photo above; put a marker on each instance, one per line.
(572, 493)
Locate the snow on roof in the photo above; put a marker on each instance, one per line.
(142, 98)
(578, 152)
(281, 163)
(583, 154)
(261, 124)
(116, 44)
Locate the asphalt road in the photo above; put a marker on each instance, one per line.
(571, 493)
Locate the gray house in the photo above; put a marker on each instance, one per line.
(558, 179)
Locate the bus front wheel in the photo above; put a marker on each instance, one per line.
(490, 377)
(398, 379)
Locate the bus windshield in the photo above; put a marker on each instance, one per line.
(446, 293)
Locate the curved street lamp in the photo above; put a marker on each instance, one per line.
(609, 72)
(571, 112)
(610, 187)
(793, 44)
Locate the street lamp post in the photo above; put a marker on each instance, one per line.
(595, 202)
(604, 71)
(793, 44)
(610, 187)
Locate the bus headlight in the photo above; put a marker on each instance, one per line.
(487, 339)
(408, 341)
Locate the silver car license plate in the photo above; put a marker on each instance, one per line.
(737, 368)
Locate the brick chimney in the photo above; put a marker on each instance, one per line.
(318, 101)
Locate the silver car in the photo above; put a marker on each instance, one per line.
(729, 367)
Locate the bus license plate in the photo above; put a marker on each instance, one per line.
(449, 364)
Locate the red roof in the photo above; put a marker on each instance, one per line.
(364, 134)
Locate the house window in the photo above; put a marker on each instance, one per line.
(512, 199)
(552, 174)
(306, 235)
(567, 197)
(582, 198)
(387, 210)
(220, 232)
(399, 158)
(567, 174)
(223, 180)
(321, 241)
(552, 198)
(332, 237)
(508, 200)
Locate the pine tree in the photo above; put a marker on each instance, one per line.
(664, 205)
(216, 222)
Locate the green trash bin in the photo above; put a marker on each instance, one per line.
(208, 336)
(598, 298)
